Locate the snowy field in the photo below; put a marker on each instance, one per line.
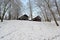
(28, 30)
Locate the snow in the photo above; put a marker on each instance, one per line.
(29, 30)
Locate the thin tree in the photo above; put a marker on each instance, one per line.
(0, 15)
(46, 15)
(57, 7)
(16, 7)
(43, 10)
(48, 5)
(0, 9)
(9, 16)
(5, 10)
(30, 6)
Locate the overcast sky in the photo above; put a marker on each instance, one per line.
(35, 9)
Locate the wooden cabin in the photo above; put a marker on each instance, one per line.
(38, 18)
(24, 17)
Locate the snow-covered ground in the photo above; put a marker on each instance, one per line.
(28, 30)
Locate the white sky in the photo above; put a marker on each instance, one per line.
(35, 9)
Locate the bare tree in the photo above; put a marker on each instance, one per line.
(43, 13)
(46, 15)
(5, 9)
(0, 13)
(48, 5)
(30, 6)
(57, 7)
(0, 8)
(19, 5)
(43, 10)
(16, 6)
(9, 16)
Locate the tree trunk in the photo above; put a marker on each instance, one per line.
(52, 13)
(4, 11)
(47, 16)
(9, 16)
(30, 9)
(3, 15)
(54, 18)
(0, 16)
(57, 7)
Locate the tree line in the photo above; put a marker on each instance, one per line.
(13, 7)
